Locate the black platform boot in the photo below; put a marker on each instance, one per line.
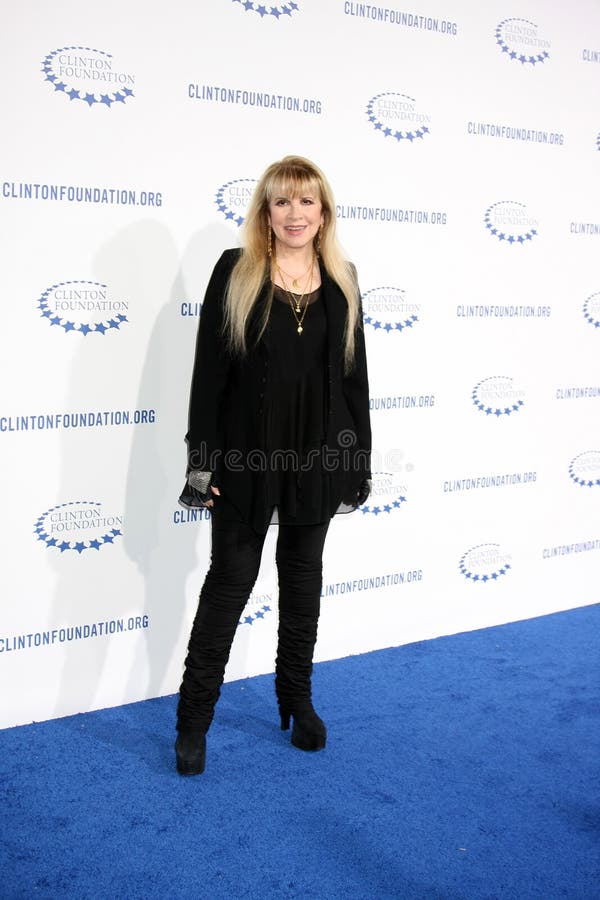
(235, 560)
(190, 751)
(309, 731)
(299, 565)
(208, 653)
(293, 671)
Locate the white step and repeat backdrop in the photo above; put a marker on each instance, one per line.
(462, 141)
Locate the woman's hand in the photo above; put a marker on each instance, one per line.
(202, 485)
(216, 492)
(364, 491)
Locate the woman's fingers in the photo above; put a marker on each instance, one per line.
(216, 492)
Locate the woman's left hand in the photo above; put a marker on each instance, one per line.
(364, 491)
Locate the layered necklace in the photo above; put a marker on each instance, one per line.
(295, 300)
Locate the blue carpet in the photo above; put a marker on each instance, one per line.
(461, 768)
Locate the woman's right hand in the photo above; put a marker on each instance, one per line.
(202, 484)
(216, 492)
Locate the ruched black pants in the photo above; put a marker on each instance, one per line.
(235, 561)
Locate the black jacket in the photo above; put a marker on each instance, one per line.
(228, 394)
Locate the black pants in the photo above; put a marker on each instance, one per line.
(235, 561)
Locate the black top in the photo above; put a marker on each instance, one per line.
(294, 413)
(234, 396)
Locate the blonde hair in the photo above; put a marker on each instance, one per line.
(293, 176)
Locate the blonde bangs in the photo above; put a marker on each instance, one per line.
(292, 182)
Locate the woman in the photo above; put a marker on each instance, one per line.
(278, 427)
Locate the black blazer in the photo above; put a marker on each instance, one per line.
(227, 399)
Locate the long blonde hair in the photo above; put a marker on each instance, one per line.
(291, 177)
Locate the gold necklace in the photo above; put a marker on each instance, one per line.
(300, 277)
(299, 297)
(296, 304)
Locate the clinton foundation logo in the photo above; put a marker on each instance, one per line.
(511, 222)
(485, 562)
(522, 42)
(233, 197)
(92, 76)
(388, 494)
(591, 310)
(398, 116)
(84, 307)
(275, 10)
(79, 525)
(257, 608)
(584, 470)
(498, 396)
(387, 309)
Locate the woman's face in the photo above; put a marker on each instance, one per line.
(295, 219)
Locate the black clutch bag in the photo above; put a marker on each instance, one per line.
(196, 490)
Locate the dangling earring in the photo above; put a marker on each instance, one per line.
(319, 234)
(269, 248)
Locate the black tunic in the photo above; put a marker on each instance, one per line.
(294, 413)
(233, 396)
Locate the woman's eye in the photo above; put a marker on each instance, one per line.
(280, 202)
(308, 200)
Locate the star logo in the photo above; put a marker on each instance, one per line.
(66, 519)
(386, 109)
(496, 386)
(250, 618)
(233, 196)
(510, 213)
(484, 563)
(267, 10)
(508, 40)
(51, 303)
(382, 300)
(584, 469)
(67, 69)
(591, 310)
(385, 509)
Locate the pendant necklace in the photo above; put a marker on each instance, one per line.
(298, 279)
(295, 301)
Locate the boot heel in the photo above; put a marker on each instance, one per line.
(308, 731)
(190, 753)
